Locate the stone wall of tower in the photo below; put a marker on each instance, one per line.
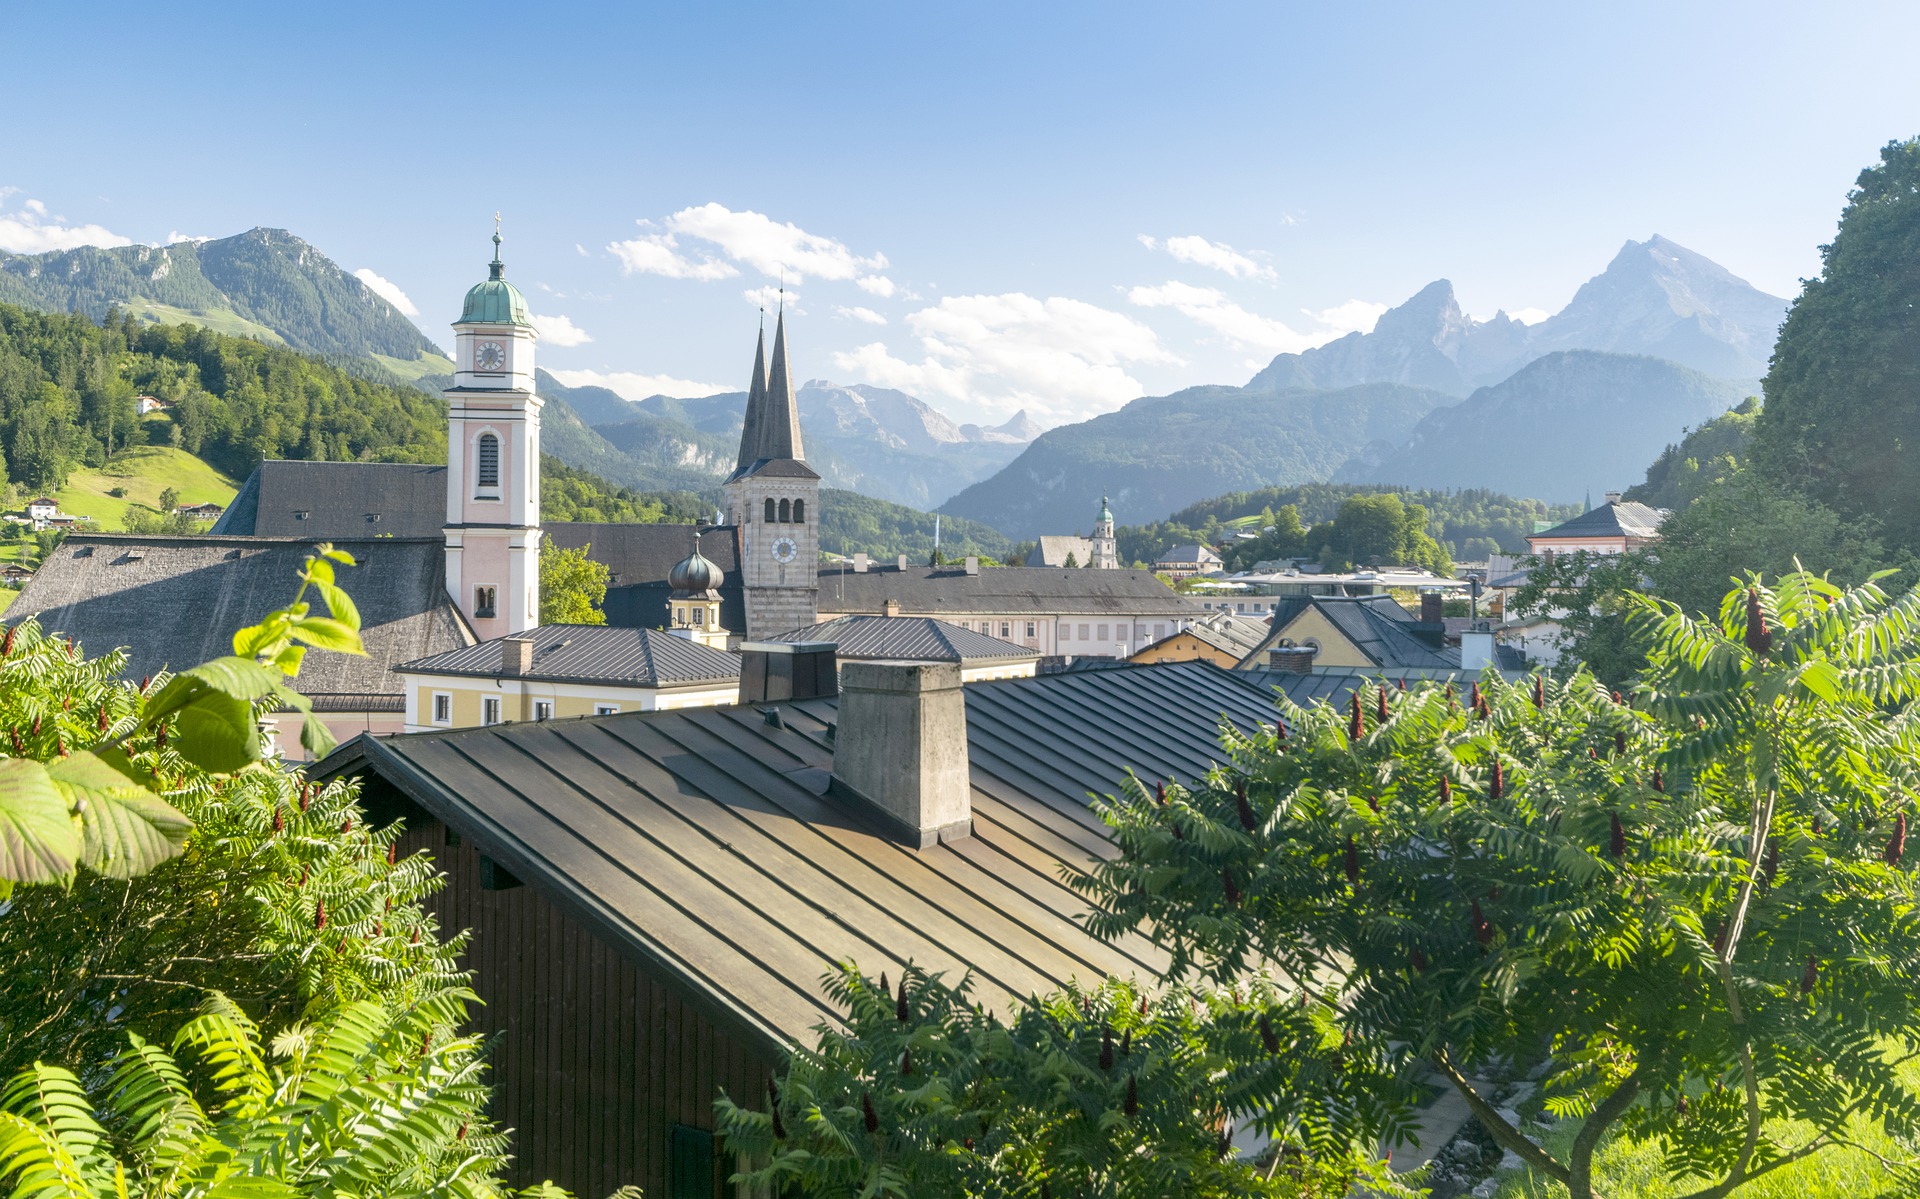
(780, 596)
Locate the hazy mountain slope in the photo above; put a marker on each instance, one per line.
(1655, 298)
(264, 283)
(1563, 426)
(1157, 454)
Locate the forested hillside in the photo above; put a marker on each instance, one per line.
(68, 388)
(264, 283)
(1471, 524)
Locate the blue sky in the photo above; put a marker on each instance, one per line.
(1051, 206)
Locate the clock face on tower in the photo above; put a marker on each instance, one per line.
(785, 549)
(489, 356)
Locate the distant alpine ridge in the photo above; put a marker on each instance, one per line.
(264, 283)
(1577, 404)
(1655, 298)
(873, 440)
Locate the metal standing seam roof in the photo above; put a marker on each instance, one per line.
(1101, 593)
(584, 653)
(706, 840)
(907, 638)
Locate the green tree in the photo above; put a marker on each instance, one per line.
(1843, 393)
(1072, 561)
(572, 585)
(1381, 530)
(169, 500)
(1105, 1092)
(1703, 457)
(1692, 916)
(1589, 596)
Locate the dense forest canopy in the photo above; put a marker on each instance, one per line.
(68, 391)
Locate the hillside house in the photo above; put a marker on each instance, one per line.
(1183, 561)
(41, 511)
(201, 511)
(151, 404)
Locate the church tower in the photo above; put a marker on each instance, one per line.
(493, 460)
(1106, 551)
(773, 498)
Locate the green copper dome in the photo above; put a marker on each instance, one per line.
(1106, 513)
(495, 301)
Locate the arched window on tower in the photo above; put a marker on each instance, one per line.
(799, 512)
(770, 516)
(786, 512)
(488, 474)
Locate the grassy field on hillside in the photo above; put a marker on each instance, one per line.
(425, 364)
(220, 320)
(143, 472)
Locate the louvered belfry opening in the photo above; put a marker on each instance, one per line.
(488, 474)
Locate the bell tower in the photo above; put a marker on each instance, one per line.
(773, 498)
(493, 460)
(1106, 550)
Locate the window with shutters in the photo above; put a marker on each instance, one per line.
(1083, 632)
(1103, 633)
(488, 473)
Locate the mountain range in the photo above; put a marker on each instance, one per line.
(1579, 403)
(873, 440)
(1662, 339)
(265, 284)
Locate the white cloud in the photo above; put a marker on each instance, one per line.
(876, 285)
(1530, 316)
(30, 229)
(1354, 316)
(1061, 359)
(774, 298)
(1211, 254)
(631, 386)
(659, 254)
(1249, 330)
(387, 290)
(864, 315)
(1238, 326)
(559, 331)
(775, 249)
(175, 238)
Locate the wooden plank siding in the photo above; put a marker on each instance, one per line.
(593, 1056)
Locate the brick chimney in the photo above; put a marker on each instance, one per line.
(900, 745)
(1291, 658)
(516, 655)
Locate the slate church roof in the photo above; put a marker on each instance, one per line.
(770, 434)
(1616, 518)
(336, 501)
(175, 602)
(707, 842)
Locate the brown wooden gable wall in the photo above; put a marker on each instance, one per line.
(594, 1059)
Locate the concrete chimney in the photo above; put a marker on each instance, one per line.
(1432, 608)
(1291, 659)
(903, 563)
(1613, 497)
(973, 565)
(890, 608)
(901, 745)
(1476, 649)
(516, 655)
(860, 563)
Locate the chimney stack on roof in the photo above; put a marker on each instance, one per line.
(1432, 608)
(1613, 497)
(901, 745)
(973, 565)
(903, 563)
(860, 563)
(1291, 658)
(516, 655)
(891, 608)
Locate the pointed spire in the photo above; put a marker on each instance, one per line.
(497, 269)
(756, 403)
(780, 419)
